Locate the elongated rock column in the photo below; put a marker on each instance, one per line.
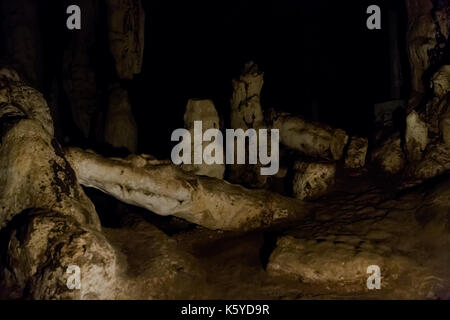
(165, 189)
(120, 125)
(204, 111)
(126, 23)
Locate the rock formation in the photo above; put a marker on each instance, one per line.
(246, 111)
(416, 136)
(312, 139)
(312, 179)
(204, 111)
(356, 153)
(389, 156)
(120, 125)
(126, 22)
(161, 187)
(428, 31)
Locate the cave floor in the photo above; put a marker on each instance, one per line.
(407, 229)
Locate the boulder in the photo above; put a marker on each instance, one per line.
(45, 249)
(312, 179)
(340, 263)
(389, 156)
(313, 139)
(356, 153)
(416, 136)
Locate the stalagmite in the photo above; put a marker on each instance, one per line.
(356, 153)
(120, 125)
(246, 112)
(416, 136)
(428, 30)
(126, 22)
(389, 156)
(204, 111)
(165, 189)
(246, 109)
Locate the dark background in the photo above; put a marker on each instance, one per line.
(312, 53)
(309, 51)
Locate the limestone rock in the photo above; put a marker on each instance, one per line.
(41, 247)
(312, 139)
(126, 23)
(416, 137)
(15, 94)
(339, 262)
(421, 39)
(246, 109)
(152, 264)
(34, 172)
(436, 161)
(441, 81)
(246, 112)
(312, 179)
(167, 190)
(204, 111)
(444, 125)
(120, 125)
(389, 156)
(356, 153)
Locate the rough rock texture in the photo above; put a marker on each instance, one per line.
(406, 235)
(312, 139)
(246, 111)
(416, 136)
(436, 161)
(34, 172)
(120, 125)
(21, 38)
(79, 79)
(441, 81)
(152, 266)
(126, 23)
(336, 260)
(41, 246)
(389, 156)
(204, 111)
(444, 126)
(165, 189)
(356, 153)
(312, 179)
(428, 30)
